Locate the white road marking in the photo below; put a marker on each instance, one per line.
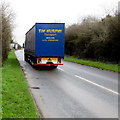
(60, 69)
(97, 85)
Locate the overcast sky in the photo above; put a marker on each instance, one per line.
(28, 12)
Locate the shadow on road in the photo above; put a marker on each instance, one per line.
(41, 68)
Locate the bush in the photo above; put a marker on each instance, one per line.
(94, 39)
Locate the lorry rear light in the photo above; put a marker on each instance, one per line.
(38, 60)
(59, 60)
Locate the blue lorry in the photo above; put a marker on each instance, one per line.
(44, 44)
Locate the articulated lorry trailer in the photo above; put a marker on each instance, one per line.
(44, 44)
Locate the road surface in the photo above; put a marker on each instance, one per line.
(73, 90)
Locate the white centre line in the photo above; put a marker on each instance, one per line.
(97, 84)
(60, 69)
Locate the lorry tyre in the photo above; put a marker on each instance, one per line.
(25, 58)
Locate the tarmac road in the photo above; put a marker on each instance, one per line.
(73, 90)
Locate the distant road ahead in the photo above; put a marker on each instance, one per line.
(73, 90)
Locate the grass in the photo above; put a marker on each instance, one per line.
(112, 67)
(0, 93)
(17, 101)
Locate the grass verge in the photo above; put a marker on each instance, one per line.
(17, 101)
(0, 93)
(112, 67)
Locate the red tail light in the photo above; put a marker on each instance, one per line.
(59, 60)
(38, 60)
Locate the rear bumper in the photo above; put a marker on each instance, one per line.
(48, 64)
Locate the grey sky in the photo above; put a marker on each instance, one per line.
(28, 12)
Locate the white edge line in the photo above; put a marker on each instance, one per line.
(97, 85)
(60, 69)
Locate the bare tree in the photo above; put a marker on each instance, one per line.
(6, 28)
(0, 35)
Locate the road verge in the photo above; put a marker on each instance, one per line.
(111, 67)
(17, 101)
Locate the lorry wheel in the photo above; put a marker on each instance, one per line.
(25, 58)
(33, 64)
